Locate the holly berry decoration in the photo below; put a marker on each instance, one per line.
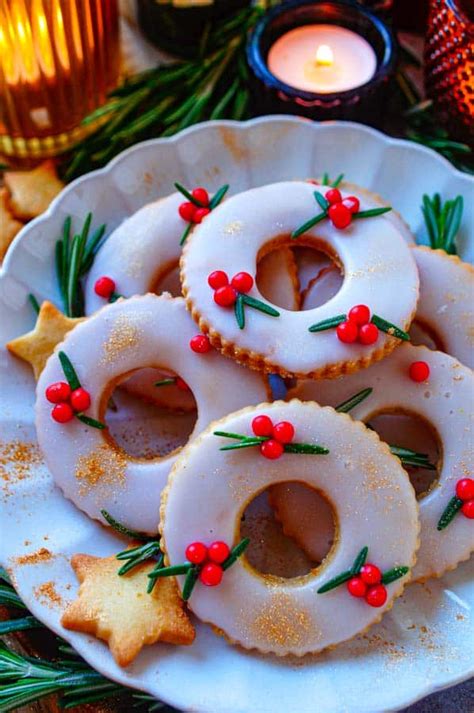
(365, 580)
(340, 211)
(105, 287)
(359, 325)
(462, 502)
(419, 371)
(198, 204)
(233, 293)
(200, 344)
(70, 399)
(272, 440)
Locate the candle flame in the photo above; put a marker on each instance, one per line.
(324, 56)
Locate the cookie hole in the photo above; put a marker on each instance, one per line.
(147, 421)
(274, 521)
(421, 334)
(412, 431)
(320, 276)
(168, 281)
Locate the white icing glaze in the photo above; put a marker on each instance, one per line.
(135, 333)
(209, 489)
(377, 265)
(444, 402)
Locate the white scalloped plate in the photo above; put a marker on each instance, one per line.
(427, 641)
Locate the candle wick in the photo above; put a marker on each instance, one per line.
(324, 56)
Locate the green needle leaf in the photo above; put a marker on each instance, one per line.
(90, 421)
(306, 448)
(325, 324)
(336, 582)
(189, 583)
(165, 382)
(121, 529)
(12, 625)
(359, 561)
(69, 371)
(246, 443)
(34, 302)
(324, 204)
(218, 196)
(189, 195)
(335, 184)
(372, 213)
(308, 225)
(354, 401)
(235, 553)
(450, 511)
(390, 328)
(239, 311)
(391, 575)
(260, 306)
(172, 571)
(185, 234)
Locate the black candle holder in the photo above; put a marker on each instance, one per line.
(364, 103)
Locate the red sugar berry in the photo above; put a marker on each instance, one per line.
(62, 413)
(271, 449)
(333, 196)
(200, 344)
(468, 509)
(225, 296)
(360, 314)
(356, 587)
(262, 426)
(347, 332)
(218, 552)
(419, 371)
(339, 215)
(80, 399)
(283, 432)
(370, 574)
(368, 334)
(200, 214)
(465, 489)
(353, 203)
(201, 195)
(217, 279)
(181, 384)
(376, 596)
(196, 552)
(211, 574)
(60, 391)
(104, 287)
(187, 211)
(242, 282)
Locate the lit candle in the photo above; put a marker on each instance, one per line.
(322, 59)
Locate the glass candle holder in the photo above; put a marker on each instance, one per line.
(364, 101)
(449, 64)
(58, 61)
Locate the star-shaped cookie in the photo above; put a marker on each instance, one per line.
(119, 610)
(50, 329)
(33, 191)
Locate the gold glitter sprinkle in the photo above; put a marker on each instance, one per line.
(48, 595)
(41, 555)
(281, 622)
(16, 459)
(233, 228)
(124, 335)
(103, 467)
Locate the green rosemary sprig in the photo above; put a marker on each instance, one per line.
(382, 324)
(412, 458)
(449, 513)
(326, 181)
(73, 381)
(244, 300)
(213, 203)
(250, 441)
(391, 575)
(442, 221)
(354, 400)
(138, 555)
(123, 530)
(34, 303)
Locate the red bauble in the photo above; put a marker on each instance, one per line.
(211, 574)
(201, 195)
(200, 344)
(376, 596)
(218, 552)
(196, 552)
(333, 196)
(80, 399)
(284, 432)
(368, 334)
(356, 587)
(104, 287)
(187, 211)
(465, 489)
(58, 392)
(262, 426)
(370, 574)
(339, 215)
(353, 203)
(347, 332)
(181, 384)
(242, 282)
(468, 509)
(360, 314)
(271, 449)
(419, 371)
(62, 413)
(200, 214)
(225, 296)
(217, 279)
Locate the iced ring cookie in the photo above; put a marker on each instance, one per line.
(443, 398)
(209, 489)
(376, 260)
(147, 331)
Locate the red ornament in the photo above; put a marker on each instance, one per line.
(271, 449)
(376, 596)
(200, 214)
(181, 384)
(80, 399)
(62, 413)
(196, 552)
(225, 296)
(201, 195)
(284, 432)
(262, 426)
(368, 334)
(200, 344)
(347, 332)
(104, 287)
(360, 314)
(339, 215)
(242, 282)
(333, 196)
(217, 279)
(468, 509)
(218, 552)
(356, 587)
(352, 203)
(58, 392)
(419, 371)
(370, 574)
(211, 574)
(465, 489)
(187, 211)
